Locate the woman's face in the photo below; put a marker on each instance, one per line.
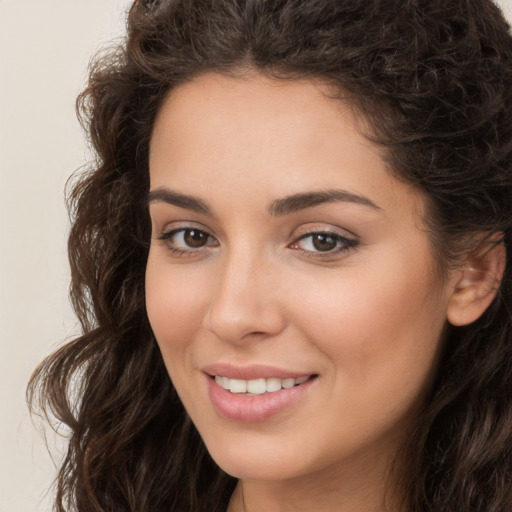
(285, 254)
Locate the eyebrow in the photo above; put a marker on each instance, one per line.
(181, 200)
(283, 206)
(306, 200)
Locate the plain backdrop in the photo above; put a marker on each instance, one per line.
(45, 47)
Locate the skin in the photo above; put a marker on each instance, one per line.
(366, 317)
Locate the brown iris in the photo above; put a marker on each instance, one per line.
(195, 238)
(324, 242)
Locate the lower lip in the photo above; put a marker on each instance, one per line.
(254, 408)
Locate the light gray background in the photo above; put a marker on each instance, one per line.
(45, 47)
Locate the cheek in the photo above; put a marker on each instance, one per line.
(175, 303)
(379, 332)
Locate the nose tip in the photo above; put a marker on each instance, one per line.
(244, 306)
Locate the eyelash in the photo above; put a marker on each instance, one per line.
(343, 244)
(178, 251)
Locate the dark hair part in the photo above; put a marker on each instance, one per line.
(434, 77)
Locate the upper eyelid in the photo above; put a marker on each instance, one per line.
(337, 231)
(324, 232)
(298, 233)
(167, 227)
(176, 230)
(340, 238)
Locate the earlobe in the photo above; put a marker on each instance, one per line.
(477, 284)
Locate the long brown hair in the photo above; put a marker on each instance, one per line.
(434, 78)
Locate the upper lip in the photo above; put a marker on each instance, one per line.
(251, 372)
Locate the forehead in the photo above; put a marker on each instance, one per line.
(210, 88)
(238, 107)
(218, 133)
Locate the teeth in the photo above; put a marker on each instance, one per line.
(273, 385)
(238, 386)
(288, 383)
(258, 386)
(223, 381)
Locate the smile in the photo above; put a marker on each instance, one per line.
(257, 397)
(258, 386)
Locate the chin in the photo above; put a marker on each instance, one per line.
(255, 459)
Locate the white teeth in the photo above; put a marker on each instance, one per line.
(288, 383)
(258, 386)
(223, 382)
(238, 386)
(273, 385)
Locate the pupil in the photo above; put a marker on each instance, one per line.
(324, 242)
(195, 238)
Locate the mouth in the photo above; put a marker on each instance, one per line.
(255, 393)
(261, 386)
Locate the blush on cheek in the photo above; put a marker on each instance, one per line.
(172, 300)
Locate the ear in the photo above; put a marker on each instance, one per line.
(477, 282)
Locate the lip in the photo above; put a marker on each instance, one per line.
(243, 408)
(254, 371)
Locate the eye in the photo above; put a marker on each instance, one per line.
(187, 240)
(323, 242)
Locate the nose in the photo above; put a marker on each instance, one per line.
(246, 302)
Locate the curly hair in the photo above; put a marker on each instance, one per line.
(434, 79)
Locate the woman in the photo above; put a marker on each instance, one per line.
(300, 213)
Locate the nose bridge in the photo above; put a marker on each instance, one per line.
(243, 301)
